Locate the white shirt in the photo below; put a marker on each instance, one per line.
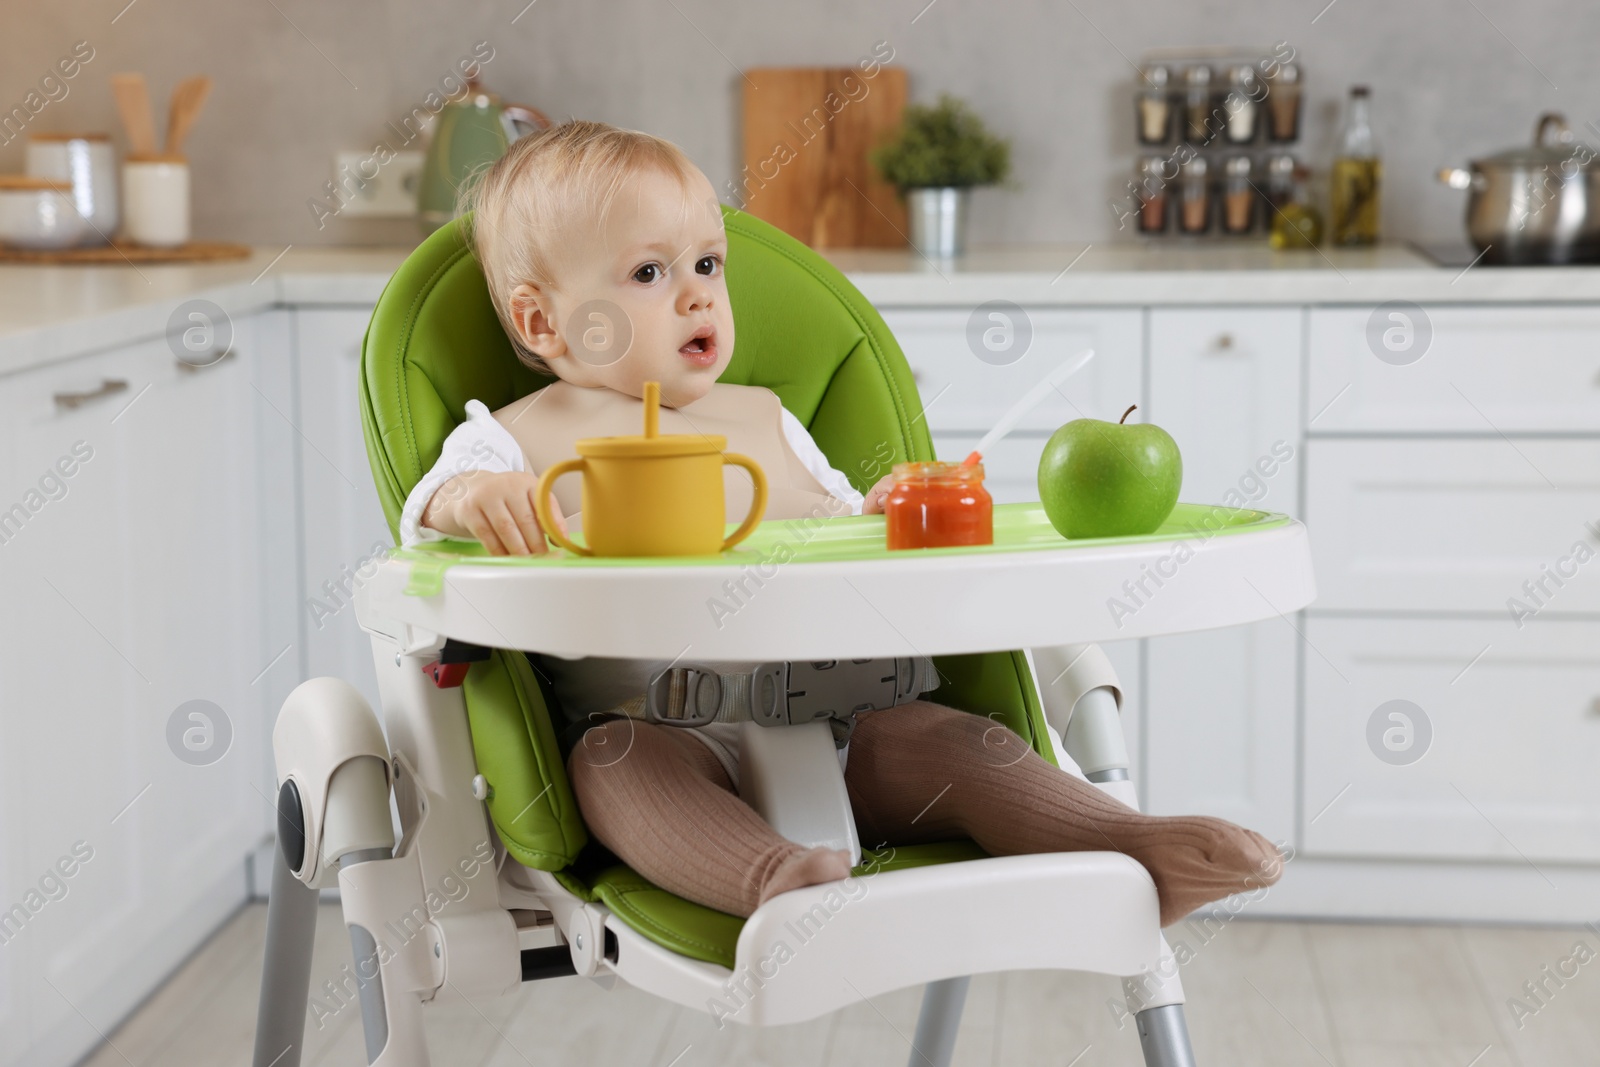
(482, 444)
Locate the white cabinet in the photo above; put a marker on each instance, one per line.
(965, 392)
(135, 589)
(1478, 370)
(1491, 756)
(1220, 704)
(344, 525)
(280, 520)
(1464, 524)
(1226, 384)
(71, 699)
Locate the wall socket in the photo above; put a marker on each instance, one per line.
(391, 193)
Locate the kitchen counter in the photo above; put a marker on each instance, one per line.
(54, 312)
(1206, 275)
(50, 313)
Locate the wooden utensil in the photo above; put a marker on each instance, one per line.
(807, 132)
(187, 100)
(133, 104)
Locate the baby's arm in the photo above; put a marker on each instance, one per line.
(835, 483)
(480, 489)
(806, 450)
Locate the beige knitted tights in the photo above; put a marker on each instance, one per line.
(918, 772)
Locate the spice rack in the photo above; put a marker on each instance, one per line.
(1217, 128)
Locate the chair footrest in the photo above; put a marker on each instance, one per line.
(815, 950)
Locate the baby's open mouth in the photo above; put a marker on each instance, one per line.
(701, 348)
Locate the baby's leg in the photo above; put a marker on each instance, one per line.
(660, 800)
(924, 772)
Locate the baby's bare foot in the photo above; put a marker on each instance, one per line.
(812, 866)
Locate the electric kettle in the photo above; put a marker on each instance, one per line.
(468, 134)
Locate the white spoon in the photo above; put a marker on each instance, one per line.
(1030, 399)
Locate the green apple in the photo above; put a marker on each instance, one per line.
(1109, 479)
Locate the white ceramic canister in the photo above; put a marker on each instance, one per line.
(38, 213)
(155, 200)
(89, 162)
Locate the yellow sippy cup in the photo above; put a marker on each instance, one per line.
(654, 495)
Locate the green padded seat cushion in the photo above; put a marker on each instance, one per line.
(702, 933)
(805, 333)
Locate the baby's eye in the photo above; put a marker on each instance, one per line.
(648, 274)
(708, 265)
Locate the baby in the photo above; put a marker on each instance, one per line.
(605, 255)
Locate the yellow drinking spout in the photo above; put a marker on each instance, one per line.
(652, 409)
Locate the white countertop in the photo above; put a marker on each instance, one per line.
(1122, 275)
(51, 313)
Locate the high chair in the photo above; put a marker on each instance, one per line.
(493, 880)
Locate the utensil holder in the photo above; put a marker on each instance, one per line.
(155, 194)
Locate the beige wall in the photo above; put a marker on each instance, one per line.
(1448, 83)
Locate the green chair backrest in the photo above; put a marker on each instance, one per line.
(803, 331)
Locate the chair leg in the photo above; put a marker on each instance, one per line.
(391, 1016)
(935, 1042)
(1164, 1037)
(286, 970)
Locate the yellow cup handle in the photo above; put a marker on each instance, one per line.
(758, 505)
(541, 505)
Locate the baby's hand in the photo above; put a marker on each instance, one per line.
(877, 495)
(496, 508)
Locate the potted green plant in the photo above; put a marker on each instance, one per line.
(936, 157)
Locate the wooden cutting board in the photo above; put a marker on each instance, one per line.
(807, 132)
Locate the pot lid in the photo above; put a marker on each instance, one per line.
(652, 444)
(1553, 144)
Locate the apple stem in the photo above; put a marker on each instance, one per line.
(1125, 414)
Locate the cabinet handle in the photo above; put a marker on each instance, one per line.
(107, 387)
(216, 357)
(1224, 341)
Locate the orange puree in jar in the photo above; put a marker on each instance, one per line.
(935, 505)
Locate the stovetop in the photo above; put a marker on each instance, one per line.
(1461, 255)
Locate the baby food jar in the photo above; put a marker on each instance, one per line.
(936, 505)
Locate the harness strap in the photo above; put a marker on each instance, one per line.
(781, 693)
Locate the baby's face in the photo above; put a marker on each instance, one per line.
(643, 298)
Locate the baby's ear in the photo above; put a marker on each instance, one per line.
(529, 316)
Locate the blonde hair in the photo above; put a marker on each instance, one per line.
(544, 183)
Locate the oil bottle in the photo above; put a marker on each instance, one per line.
(1357, 173)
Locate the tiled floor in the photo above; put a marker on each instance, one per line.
(1271, 994)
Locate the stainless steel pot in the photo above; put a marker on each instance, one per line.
(1536, 205)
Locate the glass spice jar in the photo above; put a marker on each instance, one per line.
(1280, 179)
(1153, 195)
(1238, 196)
(1283, 103)
(1298, 224)
(938, 505)
(1194, 196)
(1197, 104)
(1242, 104)
(1154, 106)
